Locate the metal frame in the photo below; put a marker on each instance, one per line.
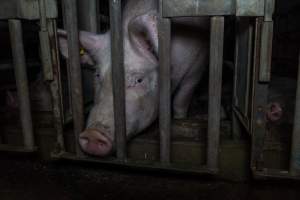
(261, 79)
(215, 79)
(253, 119)
(30, 10)
(170, 9)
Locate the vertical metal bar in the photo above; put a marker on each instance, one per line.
(215, 87)
(259, 99)
(269, 10)
(70, 14)
(118, 79)
(266, 52)
(15, 29)
(295, 154)
(55, 87)
(45, 43)
(88, 15)
(242, 74)
(165, 89)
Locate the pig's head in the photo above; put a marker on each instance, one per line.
(141, 82)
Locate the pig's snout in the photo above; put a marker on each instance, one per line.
(94, 142)
(275, 112)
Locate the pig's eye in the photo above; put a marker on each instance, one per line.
(97, 75)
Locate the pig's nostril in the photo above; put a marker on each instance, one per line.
(101, 142)
(95, 143)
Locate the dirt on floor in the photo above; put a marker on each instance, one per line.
(28, 178)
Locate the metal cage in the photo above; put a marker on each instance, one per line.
(253, 49)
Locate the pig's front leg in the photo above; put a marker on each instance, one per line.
(185, 91)
(183, 98)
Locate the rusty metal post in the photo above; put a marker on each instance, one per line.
(70, 15)
(15, 29)
(215, 87)
(295, 154)
(118, 78)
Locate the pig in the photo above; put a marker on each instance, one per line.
(189, 58)
(281, 101)
(40, 96)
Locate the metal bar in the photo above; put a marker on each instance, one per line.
(28, 9)
(266, 52)
(180, 8)
(118, 78)
(18, 149)
(164, 35)
(259, 101)
(70, 14)
(56, 88)
(15, 30)
(45, 43)
(144, 165)
(215, 87)
(269, 10)
(249, 7)
(295, 150)
(274, 174)
(88, 15)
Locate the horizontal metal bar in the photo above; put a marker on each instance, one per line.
(15, 30)
(8, 66)
(250, 8)
(215, 87)
(145, 165)
(26, 9)
(277, 174)
(118, 78)
(18, 149)
(181, 8)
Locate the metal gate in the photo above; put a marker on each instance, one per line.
(14, 12)
(252, 73)
(245, 11)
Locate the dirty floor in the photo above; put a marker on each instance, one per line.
(27, 178)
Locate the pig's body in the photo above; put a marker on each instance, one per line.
(189, 54)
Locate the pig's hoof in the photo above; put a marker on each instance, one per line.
(93, 142)
(274, 112)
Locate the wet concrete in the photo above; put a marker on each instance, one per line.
(27, 178)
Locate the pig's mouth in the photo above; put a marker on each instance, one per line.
(95, 142)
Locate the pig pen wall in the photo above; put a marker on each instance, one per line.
(234, 154)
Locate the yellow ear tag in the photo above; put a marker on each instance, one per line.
(82, 51)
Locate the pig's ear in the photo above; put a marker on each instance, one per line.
(89, 43)
(143, 34)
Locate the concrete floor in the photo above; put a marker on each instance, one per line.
(27, 178)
